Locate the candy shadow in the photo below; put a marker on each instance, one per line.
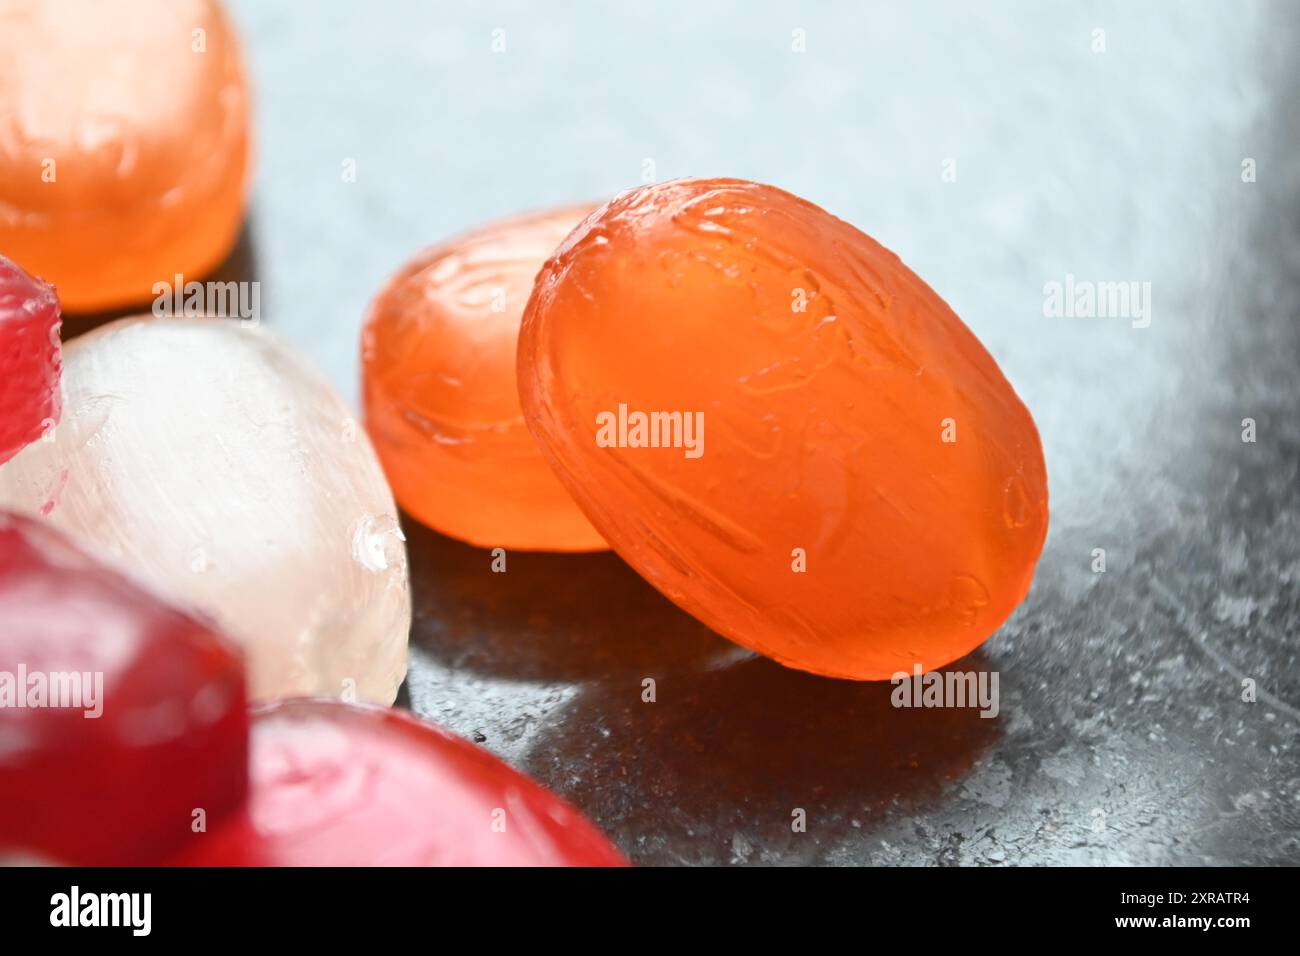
(242, 265)
(732, 745)
(714, 770)
(547, 616)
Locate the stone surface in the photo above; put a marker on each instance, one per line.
(120, 715)
(438, 366)
(221, 468)
(333, 784)
(31, 358)
(847, 484)
(124, 143)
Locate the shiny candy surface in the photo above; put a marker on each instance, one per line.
(849, 486)
(222, 469)
(121, 717)
(442, 406)
(30, 358)
(124, 143)
(333, 784)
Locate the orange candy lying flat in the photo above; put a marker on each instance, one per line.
(123, 144)
(819, 378)
(442, 407)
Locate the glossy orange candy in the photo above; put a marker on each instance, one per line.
(441, 403)
(123, 144)
(861, 491)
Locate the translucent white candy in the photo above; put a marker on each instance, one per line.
(217, 465)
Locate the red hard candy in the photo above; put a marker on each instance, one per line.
(334, 784)
(30, 358)
(121, 717)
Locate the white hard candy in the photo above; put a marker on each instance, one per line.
(217, 465)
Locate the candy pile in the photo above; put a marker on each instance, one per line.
(127, 740)
(758, 407)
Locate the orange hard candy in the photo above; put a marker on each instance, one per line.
(783, 429)
(441, 403)
(124, 144)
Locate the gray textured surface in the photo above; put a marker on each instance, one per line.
(1121, 692)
